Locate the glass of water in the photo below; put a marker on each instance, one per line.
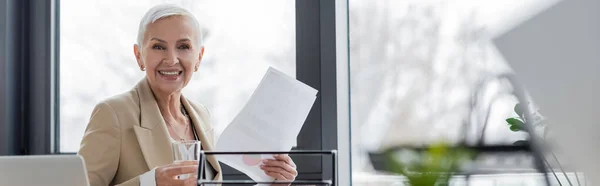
(186, 151)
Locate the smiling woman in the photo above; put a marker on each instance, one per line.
(97, 61)
(78, 53)
(169, 52)
(172, 52)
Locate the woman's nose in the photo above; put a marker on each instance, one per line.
(172, 58)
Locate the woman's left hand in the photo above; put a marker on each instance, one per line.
(282, 168)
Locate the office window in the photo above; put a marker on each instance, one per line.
(242, 39)
(414, 66)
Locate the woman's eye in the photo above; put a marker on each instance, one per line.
(158, 47)
(183, 47)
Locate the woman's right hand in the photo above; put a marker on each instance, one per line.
(167, 175)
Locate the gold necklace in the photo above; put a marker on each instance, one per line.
(187, 126)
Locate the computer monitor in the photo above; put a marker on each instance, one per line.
(556, 56)
(49, 170)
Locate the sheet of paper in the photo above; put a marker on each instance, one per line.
(270, 121)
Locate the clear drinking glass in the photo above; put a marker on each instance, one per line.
(186, 151)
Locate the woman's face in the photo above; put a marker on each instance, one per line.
(169, 53)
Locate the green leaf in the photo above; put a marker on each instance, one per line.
(518, 109)
(514, 128)
(392, 164)
(520, 143)
(514, 121)
(509, 120)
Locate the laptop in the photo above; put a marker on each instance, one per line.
(48, 170)
(556, 56)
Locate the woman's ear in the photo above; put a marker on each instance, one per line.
(138, 56)
(201, 54)
(199, 59)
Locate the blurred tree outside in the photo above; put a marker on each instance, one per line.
(414, 66)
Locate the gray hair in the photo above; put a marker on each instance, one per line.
(163, 11)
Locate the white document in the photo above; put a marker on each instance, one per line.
(270, 121)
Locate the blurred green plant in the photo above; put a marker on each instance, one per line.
(432, 167)
(516, 124)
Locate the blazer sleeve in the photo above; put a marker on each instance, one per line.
(100, 147)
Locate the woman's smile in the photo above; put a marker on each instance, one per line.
(170, 75)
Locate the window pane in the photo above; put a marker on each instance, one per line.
(242, 39)
(414, 66)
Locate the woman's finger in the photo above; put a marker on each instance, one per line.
(189, 162)
(286, 158)
(276, 175)
(178, 170)
(192, 181)
(287, 175)
(181, 163)
(281, 164)
(189, 181)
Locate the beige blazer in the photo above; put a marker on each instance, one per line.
(127, 136)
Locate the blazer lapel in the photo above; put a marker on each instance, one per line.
(152, 134)
(204, 134)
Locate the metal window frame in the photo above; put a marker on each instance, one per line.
(344, 129)
(9, 144)
(322, 61)
(28, 87)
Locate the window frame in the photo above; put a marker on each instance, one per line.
(28, 89)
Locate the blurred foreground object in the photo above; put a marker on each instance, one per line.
(434, 166)
(555, 55)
